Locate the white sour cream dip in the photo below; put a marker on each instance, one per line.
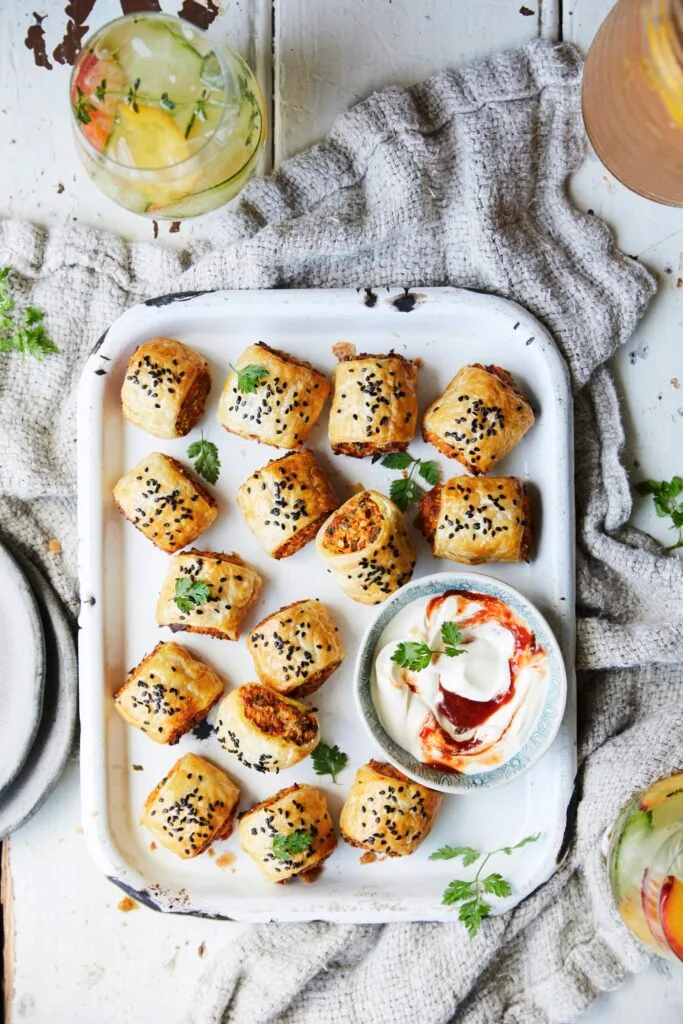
(468, 713)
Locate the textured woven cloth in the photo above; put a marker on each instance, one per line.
(460, 180)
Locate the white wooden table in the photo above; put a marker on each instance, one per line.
(71, 954)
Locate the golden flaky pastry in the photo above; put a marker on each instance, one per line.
(365, 546)
(165, 388)
(191, 807)
(163, 501)
(284, 405)
(296, 648)
(478, 519)
(374, 405)
(386, 812)
(284, 503)
(168, 693)
(300, 810)
(265, 730)
(233, 589)
(479, 418)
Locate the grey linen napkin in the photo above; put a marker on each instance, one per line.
(460, 180)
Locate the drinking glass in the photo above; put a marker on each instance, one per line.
(168, 122)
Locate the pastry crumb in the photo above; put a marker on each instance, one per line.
(201, 949)
(369, 857)
(152, 845)
(211, 852)
(343, 350)
(675, 383)
(54, 546)
(226, 860)
(418, 362)
(126, 905)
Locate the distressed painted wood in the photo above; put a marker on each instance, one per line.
(71, 955)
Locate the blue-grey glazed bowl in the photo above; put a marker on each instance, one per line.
(550, 716)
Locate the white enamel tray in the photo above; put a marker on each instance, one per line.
(121, 573)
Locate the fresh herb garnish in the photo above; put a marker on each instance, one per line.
(165, 102)
(22, 333)
(416, 656)
(101, 90)
(189, 593)
(82, 107)
(473, 907)
(406, 490)
(664, 494)
(328, 760)
(198, 112)
(285, 846)
(132, 96)
(249, 377)
(207, 461)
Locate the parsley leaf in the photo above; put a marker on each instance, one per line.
(190, 593)
(416, 656)
(468, 854)
(249, 377)
(24, 332)
(207, 461)
(406, 490)
(473, 907)
(452, 638)
(285, 846)
(328, 760)
(456, 891)
(664, 494)
(412, 655)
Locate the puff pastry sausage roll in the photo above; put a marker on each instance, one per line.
(165, 388)
(285, 404)
(164, 502)
(193, 805)
(285, 502)
(479, 418)
(265, 730)
(208, 592)
(374, 405)
(168, 693)
(474, 520)
(296, 648)
(387, 812)
(366, 548)
(289, 834)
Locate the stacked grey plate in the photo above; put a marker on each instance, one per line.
(38, 689)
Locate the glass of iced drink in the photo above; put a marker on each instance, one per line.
(168, 121)
(645, 863)
(633, 97)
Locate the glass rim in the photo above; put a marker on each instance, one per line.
(170, 171)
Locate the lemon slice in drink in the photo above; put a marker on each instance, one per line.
(149, 139)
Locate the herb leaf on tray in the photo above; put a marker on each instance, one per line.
(665, 494)
(473, 908)
(328, 760)
(249, 377)
(190, 593)
(22, 333)
(404, 491)
(207, 461)
(285, 846)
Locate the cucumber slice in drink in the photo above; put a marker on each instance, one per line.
(627, 859)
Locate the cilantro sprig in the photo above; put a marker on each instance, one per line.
(473, 907)
(406, 489)
(207, 461)
(249, 377)
(23, 332)
(189, 593)
(668, 503)
(286, 846)
(416, 656)
(328, 760)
